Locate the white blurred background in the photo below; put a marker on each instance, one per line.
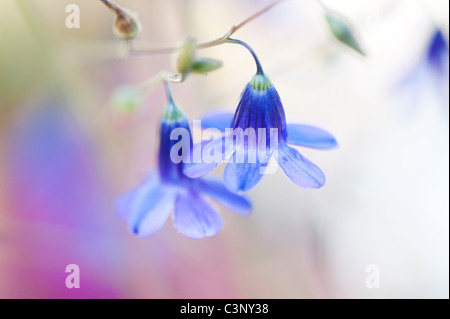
(386, 199)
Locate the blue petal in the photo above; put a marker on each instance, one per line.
(124, 205)
(156, 214)
(260, 108)
(244, 170)
(215, 189)
(298, 168)
(194, 217)
(147, 207)
(224, 147)
(241, 177)
(218, 119)
(310, 136)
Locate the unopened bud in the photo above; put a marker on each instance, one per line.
(343, 31)
(205, 65)
(186, 57)
(126, 24)
(187, 61)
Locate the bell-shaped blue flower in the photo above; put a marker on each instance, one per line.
(147, 207)
(260, 110)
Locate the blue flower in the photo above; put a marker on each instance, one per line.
(429, 78)
(147, 207)
(260, 108)
(438, 54)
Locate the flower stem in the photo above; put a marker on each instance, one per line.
(114, 7)
(259, 69)
(168, 91)
(236, 27)
(212, 43)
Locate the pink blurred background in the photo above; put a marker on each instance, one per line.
(66, 154)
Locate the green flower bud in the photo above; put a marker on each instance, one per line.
(342, 30)
(186, 57)
(187, 61)
(205, 65)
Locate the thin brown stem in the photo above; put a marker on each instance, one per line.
(264, 9)
(236, 27)
(153, 49)
(114, 7)
(212, 43)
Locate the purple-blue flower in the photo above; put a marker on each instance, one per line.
(260, 107)
(430, 75)
(438, 54)
(147, 207)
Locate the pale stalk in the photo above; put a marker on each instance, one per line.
(212, 43)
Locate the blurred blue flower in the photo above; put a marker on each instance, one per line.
(260, 108)
(429, 78)
(147, 207)
(438, 55)
(51, 162)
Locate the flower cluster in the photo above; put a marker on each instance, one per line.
(180, 184)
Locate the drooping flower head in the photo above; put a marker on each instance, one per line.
(147, 207)
(260, 117)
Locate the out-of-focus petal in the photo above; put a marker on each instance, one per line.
(438, 53)
(218, 119)
(298, 168)
(147, 207)
(310, 136)
(125, 202)
(215, 188)
(156, 215)
(194, 217)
